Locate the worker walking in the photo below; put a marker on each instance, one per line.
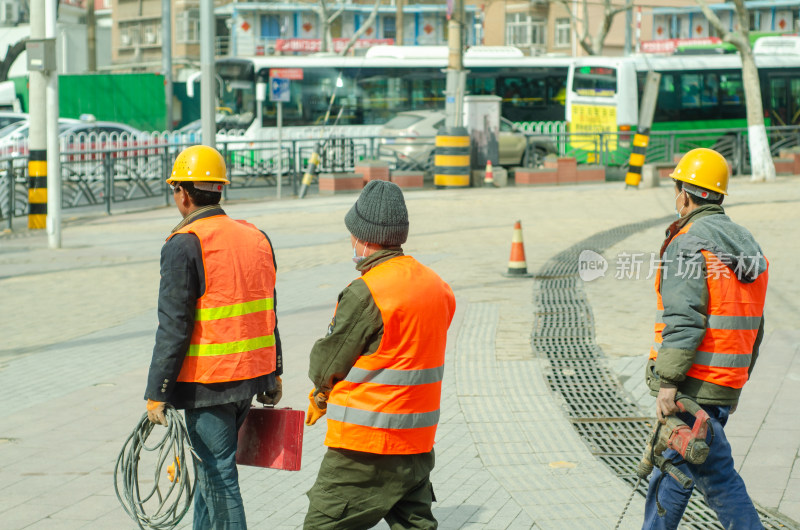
(378, 376)
(217, 343)
(710, 290)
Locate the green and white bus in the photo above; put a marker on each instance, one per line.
(696, 92)
(372, 89)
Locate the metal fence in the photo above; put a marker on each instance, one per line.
(107, 169)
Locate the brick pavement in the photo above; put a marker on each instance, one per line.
(506, 456)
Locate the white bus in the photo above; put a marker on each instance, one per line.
(696, 92)
(388, 80)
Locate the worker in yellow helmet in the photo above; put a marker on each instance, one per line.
(217, 343)
(710, 290)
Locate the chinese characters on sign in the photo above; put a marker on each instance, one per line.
(593, 119)
(315, 45)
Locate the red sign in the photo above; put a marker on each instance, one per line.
(670, 45)
(315, 45)
(293, 74)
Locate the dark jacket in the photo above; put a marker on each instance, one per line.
(685, 298)
(356, 329)
(182, 283)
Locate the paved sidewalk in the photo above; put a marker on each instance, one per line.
(78, 325)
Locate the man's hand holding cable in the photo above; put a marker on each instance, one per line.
(155, 412)
(317, 408)
(665, 402)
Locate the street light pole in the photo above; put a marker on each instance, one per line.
(53, 148)
(207, 104)
(166, 57)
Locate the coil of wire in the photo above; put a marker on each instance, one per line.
(155, 508)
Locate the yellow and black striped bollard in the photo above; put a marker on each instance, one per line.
(452, 158)
(640, 141)
(37, 189)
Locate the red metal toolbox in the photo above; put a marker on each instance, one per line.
(272, 438)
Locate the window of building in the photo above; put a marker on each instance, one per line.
(389, 28)
(271, 26)
(129, 35)
(152, 33)
(522, 30)
(187, 27)
(563, 33)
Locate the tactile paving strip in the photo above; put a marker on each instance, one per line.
(611, 425)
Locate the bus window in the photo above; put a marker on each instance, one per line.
(731, 93)
(690, 91)
(668, 107)
(595, 81)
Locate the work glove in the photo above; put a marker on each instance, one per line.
(273, 396)
(317, 408)
(155, 412)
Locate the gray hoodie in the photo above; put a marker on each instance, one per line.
(685, 297)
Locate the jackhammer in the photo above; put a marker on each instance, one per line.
(675, 434)
(689, 443)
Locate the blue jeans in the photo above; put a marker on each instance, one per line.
(716, 479)
(214, 434)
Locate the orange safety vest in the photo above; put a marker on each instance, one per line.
(734, 316)
(389, 402)
(234, 328)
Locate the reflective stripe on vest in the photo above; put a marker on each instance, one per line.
(734, 316)
(233, 337)
(389, 401)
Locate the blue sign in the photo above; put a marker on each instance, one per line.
(279, 90)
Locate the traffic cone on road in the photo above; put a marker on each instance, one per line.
(517, 267)
(488, 178)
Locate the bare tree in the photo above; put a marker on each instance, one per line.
(325, 21)
(762, 166)
(593, 44)
(366, 25)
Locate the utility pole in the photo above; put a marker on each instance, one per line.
(456, 76)
(207, 104)
(398, 23)
(37, 104)
(91, 37)
(53, 147)
(166, 57)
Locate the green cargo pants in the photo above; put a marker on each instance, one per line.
(356, 490)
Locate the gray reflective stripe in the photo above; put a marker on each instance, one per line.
(728, 322)
(659, 316)
(382, 420)
(722, 360)
(657, 346)
(387, 376)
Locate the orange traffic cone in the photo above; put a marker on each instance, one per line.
(488, 178)
(517, 267)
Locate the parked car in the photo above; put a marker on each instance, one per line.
(411, 136)
(77, 135)
(7, 118)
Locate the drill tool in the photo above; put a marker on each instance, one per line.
(690, 443)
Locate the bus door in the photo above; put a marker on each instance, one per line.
(783, 99)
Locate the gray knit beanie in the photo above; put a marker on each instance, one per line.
(379, 215)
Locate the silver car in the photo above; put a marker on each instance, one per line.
(410, 137)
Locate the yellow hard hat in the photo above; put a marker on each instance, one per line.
(705, 168)
(199, 163)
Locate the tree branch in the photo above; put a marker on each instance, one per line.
(335, 15)
(370, 20)
(734, 38)
(574, 24)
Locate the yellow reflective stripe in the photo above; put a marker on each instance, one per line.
(227, 348)
(234, 310)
